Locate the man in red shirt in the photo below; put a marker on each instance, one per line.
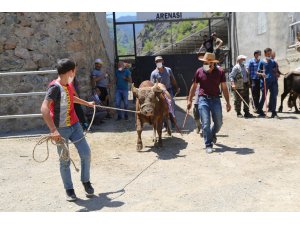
(210, 77)
(59, 114)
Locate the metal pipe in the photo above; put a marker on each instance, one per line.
(29, 73)
(175, 20)
(292, 24)
(19, 116)
(115, 37)
(209, 28)
(134, 41)
(120, 56)
(22, 94)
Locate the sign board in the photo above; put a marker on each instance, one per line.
(167, 15)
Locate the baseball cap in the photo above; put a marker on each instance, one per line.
(99, 61)
(241, 57)
(158, 58)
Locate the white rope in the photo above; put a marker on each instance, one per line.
(126, 110)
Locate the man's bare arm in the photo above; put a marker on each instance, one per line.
(226, 95)
(191, 95)
(83, 102)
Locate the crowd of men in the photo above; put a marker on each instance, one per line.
(66, 120)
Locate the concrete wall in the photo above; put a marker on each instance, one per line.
(34, 41)
(276, 36)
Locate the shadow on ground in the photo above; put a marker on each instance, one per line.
(98, 202)
(239, 151)
(172, 146)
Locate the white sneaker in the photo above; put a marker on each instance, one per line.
(209, 150)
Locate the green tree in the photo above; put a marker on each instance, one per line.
(148, 47)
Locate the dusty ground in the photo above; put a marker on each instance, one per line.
(255, 168)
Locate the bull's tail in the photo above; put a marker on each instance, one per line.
(285, 79)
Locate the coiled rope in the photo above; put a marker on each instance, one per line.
(65, 153)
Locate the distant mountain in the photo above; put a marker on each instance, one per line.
(155, 37)
(138, 27)
(125, 34)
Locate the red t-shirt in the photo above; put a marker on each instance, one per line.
(62, 108)
(209, 82)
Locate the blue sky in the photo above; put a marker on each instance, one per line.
(119, 14)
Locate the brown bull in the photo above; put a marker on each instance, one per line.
(153, 109)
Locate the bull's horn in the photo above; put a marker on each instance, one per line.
(134, 89)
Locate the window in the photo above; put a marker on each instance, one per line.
(262, 25)
(294, 30)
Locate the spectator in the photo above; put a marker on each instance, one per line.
(277, 72)
(255, 80)
(100, 113)
(217, 45)
(240, 85)
(100, 80)
(266, 70)
(122, 78)
(207, 45)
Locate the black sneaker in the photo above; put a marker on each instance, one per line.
(71, 196)
(89, 190)
(126, 117)
(248, 115)
(214, 139)
(275, 116)
(108, 116)
(262, 115)
(239, 115)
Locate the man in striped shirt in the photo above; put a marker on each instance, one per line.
(60, 116)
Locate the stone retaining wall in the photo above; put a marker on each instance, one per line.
(34, 41)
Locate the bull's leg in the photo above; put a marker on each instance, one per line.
(159, 131)
(154, 132)
(284, 94)
(139, 129)
(295, 103)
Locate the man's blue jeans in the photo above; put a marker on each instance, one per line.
(122, 95)
(74, 133)
(210, 107)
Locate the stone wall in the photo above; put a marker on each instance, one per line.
(34, 41)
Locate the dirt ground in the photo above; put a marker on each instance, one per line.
(255, 168)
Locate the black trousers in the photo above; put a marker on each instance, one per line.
(255, 90)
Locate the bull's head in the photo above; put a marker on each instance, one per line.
(147, 98)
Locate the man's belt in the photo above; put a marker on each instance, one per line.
(209, 96)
